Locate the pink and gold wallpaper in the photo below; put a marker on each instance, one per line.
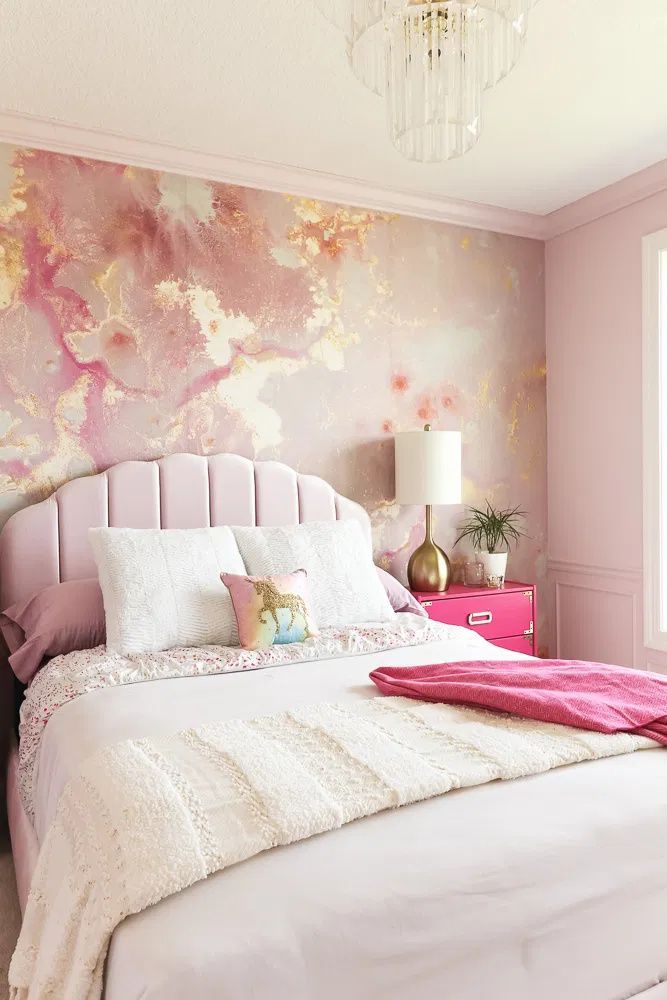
(143, 313)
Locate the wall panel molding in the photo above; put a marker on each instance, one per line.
(586, 569)
(597, 613)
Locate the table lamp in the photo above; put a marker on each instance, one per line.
(428, 471)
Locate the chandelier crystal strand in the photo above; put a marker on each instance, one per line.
(503, 26)
(431, 59)
(503, 33)
(338, 12)
(361, 24)
(367, 45)
(434, 78)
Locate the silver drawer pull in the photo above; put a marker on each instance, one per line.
(480, 618)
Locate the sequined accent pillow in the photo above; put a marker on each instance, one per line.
(271, 609)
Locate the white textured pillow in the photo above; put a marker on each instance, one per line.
(342, 579)
(162, 587)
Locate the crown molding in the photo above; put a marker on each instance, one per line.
(628, 191)
(17, 128)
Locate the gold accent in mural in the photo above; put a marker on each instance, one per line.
(143, 313)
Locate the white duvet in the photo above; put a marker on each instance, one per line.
(507, 891)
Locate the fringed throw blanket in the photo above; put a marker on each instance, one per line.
(146, 818)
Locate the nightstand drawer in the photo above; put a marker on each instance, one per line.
(495, 616)
(517, 644)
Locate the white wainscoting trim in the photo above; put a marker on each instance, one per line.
(616, 592)
(619, 582)
(654, 249)
(586, 569)
(21, 129)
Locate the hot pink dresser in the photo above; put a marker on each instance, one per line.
(505, 617)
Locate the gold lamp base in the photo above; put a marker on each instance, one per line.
(429, 569)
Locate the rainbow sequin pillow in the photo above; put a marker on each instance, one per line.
(271, 609)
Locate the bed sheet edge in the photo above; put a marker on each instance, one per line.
(25, 846)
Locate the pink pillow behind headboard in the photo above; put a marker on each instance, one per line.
(400, 598)
(58, 619)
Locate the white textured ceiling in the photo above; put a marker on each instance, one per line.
(268, 80)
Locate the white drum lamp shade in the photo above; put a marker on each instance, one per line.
(428, 471)
(428, 467)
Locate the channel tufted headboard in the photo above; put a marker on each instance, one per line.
(48, 542)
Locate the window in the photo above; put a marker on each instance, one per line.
(655, 439)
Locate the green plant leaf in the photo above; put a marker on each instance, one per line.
(495, 528)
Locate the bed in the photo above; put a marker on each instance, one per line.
(554, 885)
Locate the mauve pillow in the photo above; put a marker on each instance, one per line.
(58, 619)
(400, 598)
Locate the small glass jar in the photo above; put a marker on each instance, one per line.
(473, 574)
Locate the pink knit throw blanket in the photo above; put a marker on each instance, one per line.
(569, 692)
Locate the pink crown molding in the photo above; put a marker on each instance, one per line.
(637, 187)
(21, 129)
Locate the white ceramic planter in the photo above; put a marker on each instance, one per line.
(495, 567)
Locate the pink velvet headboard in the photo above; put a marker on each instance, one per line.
(48, 542)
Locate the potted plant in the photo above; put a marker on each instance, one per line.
(492, 533)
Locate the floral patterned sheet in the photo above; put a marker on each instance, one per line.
(68, 677)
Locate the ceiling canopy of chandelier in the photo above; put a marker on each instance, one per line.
(432, 62)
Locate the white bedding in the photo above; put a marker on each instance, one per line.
(553, 886)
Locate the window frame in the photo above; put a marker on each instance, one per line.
(654, 393)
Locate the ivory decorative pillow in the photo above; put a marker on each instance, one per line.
(271, 609)
(162, 587)
(342, 578)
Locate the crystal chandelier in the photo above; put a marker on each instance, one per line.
(432, 62)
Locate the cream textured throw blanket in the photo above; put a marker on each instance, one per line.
(146, 818)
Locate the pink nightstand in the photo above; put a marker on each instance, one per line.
(505, 617)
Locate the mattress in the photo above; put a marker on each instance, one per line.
(552, 886)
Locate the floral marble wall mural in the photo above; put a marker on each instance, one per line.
(143, 313)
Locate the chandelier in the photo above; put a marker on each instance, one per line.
(431, 62)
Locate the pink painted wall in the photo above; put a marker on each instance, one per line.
(143, 313)
(594, 390)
